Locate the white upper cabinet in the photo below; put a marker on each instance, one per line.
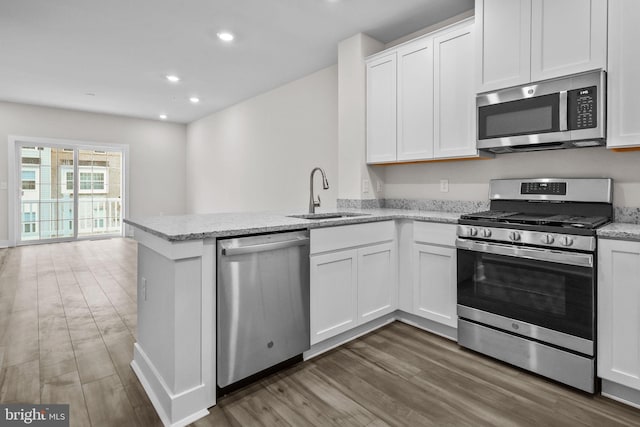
(567, 37)
(623, 126)
(503, 43)
(522, 41)
(381, 109)
(454, 98)
(431, 93)
(415, 101)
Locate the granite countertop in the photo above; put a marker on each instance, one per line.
(202, 226)
(620, 231)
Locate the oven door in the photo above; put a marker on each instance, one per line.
(544, 294)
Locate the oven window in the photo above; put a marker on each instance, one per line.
(522, 117)
(552, 295)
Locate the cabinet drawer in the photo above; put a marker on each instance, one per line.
(349, 236)
(434, 233)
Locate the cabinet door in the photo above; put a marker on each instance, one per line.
(619, 312)
(381, 110)
(567, 37)
(623, 84)
(415, 101)
(377, 281)
(434, 283)
(503, 43)
(454, 112)
(333, 294)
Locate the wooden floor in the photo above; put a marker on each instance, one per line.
(67, 327)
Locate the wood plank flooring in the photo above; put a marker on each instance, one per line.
(67, 328)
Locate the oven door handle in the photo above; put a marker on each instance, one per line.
(549, 255)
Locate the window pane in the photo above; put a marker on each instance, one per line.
(28, 175)
(69, 179)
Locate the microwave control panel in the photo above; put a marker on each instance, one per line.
(582, 109)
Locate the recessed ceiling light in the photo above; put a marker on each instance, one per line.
(225, 36)
(173, 78)
(194, 99)
(163, 117)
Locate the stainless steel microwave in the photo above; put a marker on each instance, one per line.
(566, 112)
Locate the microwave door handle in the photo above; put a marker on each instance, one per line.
(562, 111)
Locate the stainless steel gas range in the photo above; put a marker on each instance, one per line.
(527, 276)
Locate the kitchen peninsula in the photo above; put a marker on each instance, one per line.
(174, 356)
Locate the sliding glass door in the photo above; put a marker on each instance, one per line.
(68, 192)
(99, 193)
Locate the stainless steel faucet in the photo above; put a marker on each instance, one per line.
(325, 185)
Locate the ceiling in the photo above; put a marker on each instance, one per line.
(112, 56)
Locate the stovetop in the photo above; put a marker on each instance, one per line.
(554, 213)
(503, 218)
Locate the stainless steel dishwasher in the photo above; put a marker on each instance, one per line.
(263, 303)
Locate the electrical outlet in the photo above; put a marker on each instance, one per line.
(3, 185)
(379, 186)
(365, 185)
(444, 185)
(144, 288)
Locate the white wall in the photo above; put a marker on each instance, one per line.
(156, 156)
(352, 85)
(469, 180)
(257, 155)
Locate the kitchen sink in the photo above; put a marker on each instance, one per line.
(328, 215)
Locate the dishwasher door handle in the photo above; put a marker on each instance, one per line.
(263, 247)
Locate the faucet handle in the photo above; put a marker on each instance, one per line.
(317, 204)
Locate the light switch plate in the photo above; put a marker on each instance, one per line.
(444, 185)
(365, 185)
(3, 185)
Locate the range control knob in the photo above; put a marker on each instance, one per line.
(486, 232)
(514, 236)
(566, 241)
(473, 231)
(547, 239)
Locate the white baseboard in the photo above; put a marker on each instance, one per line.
(621, 393)
(427, 325)
(4, 244)
(174, 410)
(401, 316)
(338, 340)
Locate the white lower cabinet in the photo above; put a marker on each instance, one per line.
(353, 277)
(334, 293)
(377, 290)
(434, 271)
(619, 312)
(434, 283)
